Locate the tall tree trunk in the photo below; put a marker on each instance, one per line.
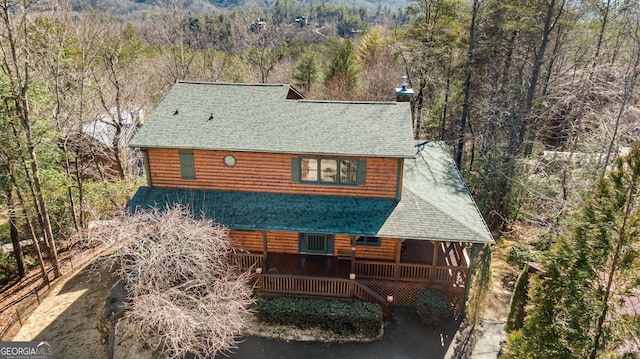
(46, 223)
(446, 97)
(32, 232)
(552, 60)
(603, 26)
(467, 84)
(15, 240)
(16, 67)
(628, 92)
(524, 118)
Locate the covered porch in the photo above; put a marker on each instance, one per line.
(333, 277)
(445, 264)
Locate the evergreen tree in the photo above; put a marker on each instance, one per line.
(342, 76)
(515, 318)
(307, 71)
(573, 311)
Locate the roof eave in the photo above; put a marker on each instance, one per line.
(328, 154)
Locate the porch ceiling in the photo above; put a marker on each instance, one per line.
(276, 212)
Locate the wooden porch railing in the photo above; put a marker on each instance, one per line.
(367, 294)
(456, 276)
(278, 284)
(372, 269)
(304, 286)
(422, 273)
(247, 261)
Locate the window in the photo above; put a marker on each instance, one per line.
(309, 170)
(187, 168)
(368, 241)
(328, 171)
(313, 243)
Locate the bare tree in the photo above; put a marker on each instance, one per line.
(15, 66)
(467, 83)
(185, 295)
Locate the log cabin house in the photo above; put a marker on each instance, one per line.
(327, 199)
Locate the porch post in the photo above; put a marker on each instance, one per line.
(396, 268)
(352, 241)
(434, 262)
(264, 249)
(460, 254)
(475, 248)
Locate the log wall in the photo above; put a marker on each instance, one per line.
(287, 242)
(386, 251)
(263, 172)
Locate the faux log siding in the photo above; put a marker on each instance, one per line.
(250, 241)
(386, 251)
(287, 242)
(263, 172)
(278, 242)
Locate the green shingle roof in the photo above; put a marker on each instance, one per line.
(259, 118)
(271, 211)
(435, 205)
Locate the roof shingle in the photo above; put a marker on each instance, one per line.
(259, 118)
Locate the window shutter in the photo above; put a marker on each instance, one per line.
(187, 168)
(361, 176)
(295, 169)
(330, 244)
(302, 243)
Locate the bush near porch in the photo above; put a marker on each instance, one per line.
(342, 317)
(433, 307)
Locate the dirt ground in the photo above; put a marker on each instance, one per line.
(70, 316)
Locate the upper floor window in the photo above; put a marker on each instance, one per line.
(368, 241)
(187, 167)
(328, 170)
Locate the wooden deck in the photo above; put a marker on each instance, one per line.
(421, 252)
(307, 265)
(304, 265)
(329, 277)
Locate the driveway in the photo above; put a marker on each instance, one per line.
(404, 337)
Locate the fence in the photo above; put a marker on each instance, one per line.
(18, 310)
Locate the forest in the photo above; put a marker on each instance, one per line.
(535, 100)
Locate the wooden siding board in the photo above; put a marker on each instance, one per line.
(278, 242)
(287, 242)
(263, 172)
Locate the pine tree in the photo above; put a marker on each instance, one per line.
(573, 311)
(342, 76)
(307, 71)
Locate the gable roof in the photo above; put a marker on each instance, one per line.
(435, 205)
(271, 118)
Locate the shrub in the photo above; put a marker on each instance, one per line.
(515, 318)
(433, 307)
(7, 267)
(519, 254)
(340, 317)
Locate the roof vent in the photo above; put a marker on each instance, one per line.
(404, 94)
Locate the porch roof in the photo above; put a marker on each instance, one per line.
(436, 203)
(275, 212)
